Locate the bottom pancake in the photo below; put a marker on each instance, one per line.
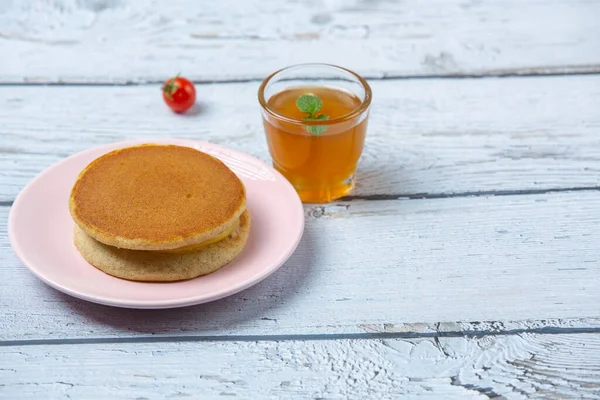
(154, 266)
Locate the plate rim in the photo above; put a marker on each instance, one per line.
(152, 304)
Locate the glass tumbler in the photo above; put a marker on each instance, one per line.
(315, 119)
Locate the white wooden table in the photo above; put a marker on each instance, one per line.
(466, 265)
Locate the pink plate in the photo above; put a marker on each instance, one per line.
(41, 234)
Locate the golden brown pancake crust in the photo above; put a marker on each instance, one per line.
(154, 266)
(156, 197)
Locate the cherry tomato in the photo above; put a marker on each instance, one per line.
(179, 94)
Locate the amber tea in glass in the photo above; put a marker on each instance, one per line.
(315, 119)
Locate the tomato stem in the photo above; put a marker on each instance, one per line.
(170, 87)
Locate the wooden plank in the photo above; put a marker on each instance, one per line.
(125, 41)
(509, 367)
(425, 136)
(369, 266)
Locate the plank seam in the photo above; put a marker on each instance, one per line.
(422, 196)
(429, 196)
(302, 337)
(554, 72)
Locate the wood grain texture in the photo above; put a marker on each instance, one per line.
(425, 136)
(491, 367)
(447, 297)
(365, 267)
(140, 41)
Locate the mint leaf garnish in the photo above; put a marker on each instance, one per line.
(317, 118)
(315, 130)
(311, 105)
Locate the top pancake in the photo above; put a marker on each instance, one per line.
(156, 197)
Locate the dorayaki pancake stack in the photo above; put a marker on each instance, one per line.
(159, 213)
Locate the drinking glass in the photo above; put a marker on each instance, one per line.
(316, 147)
